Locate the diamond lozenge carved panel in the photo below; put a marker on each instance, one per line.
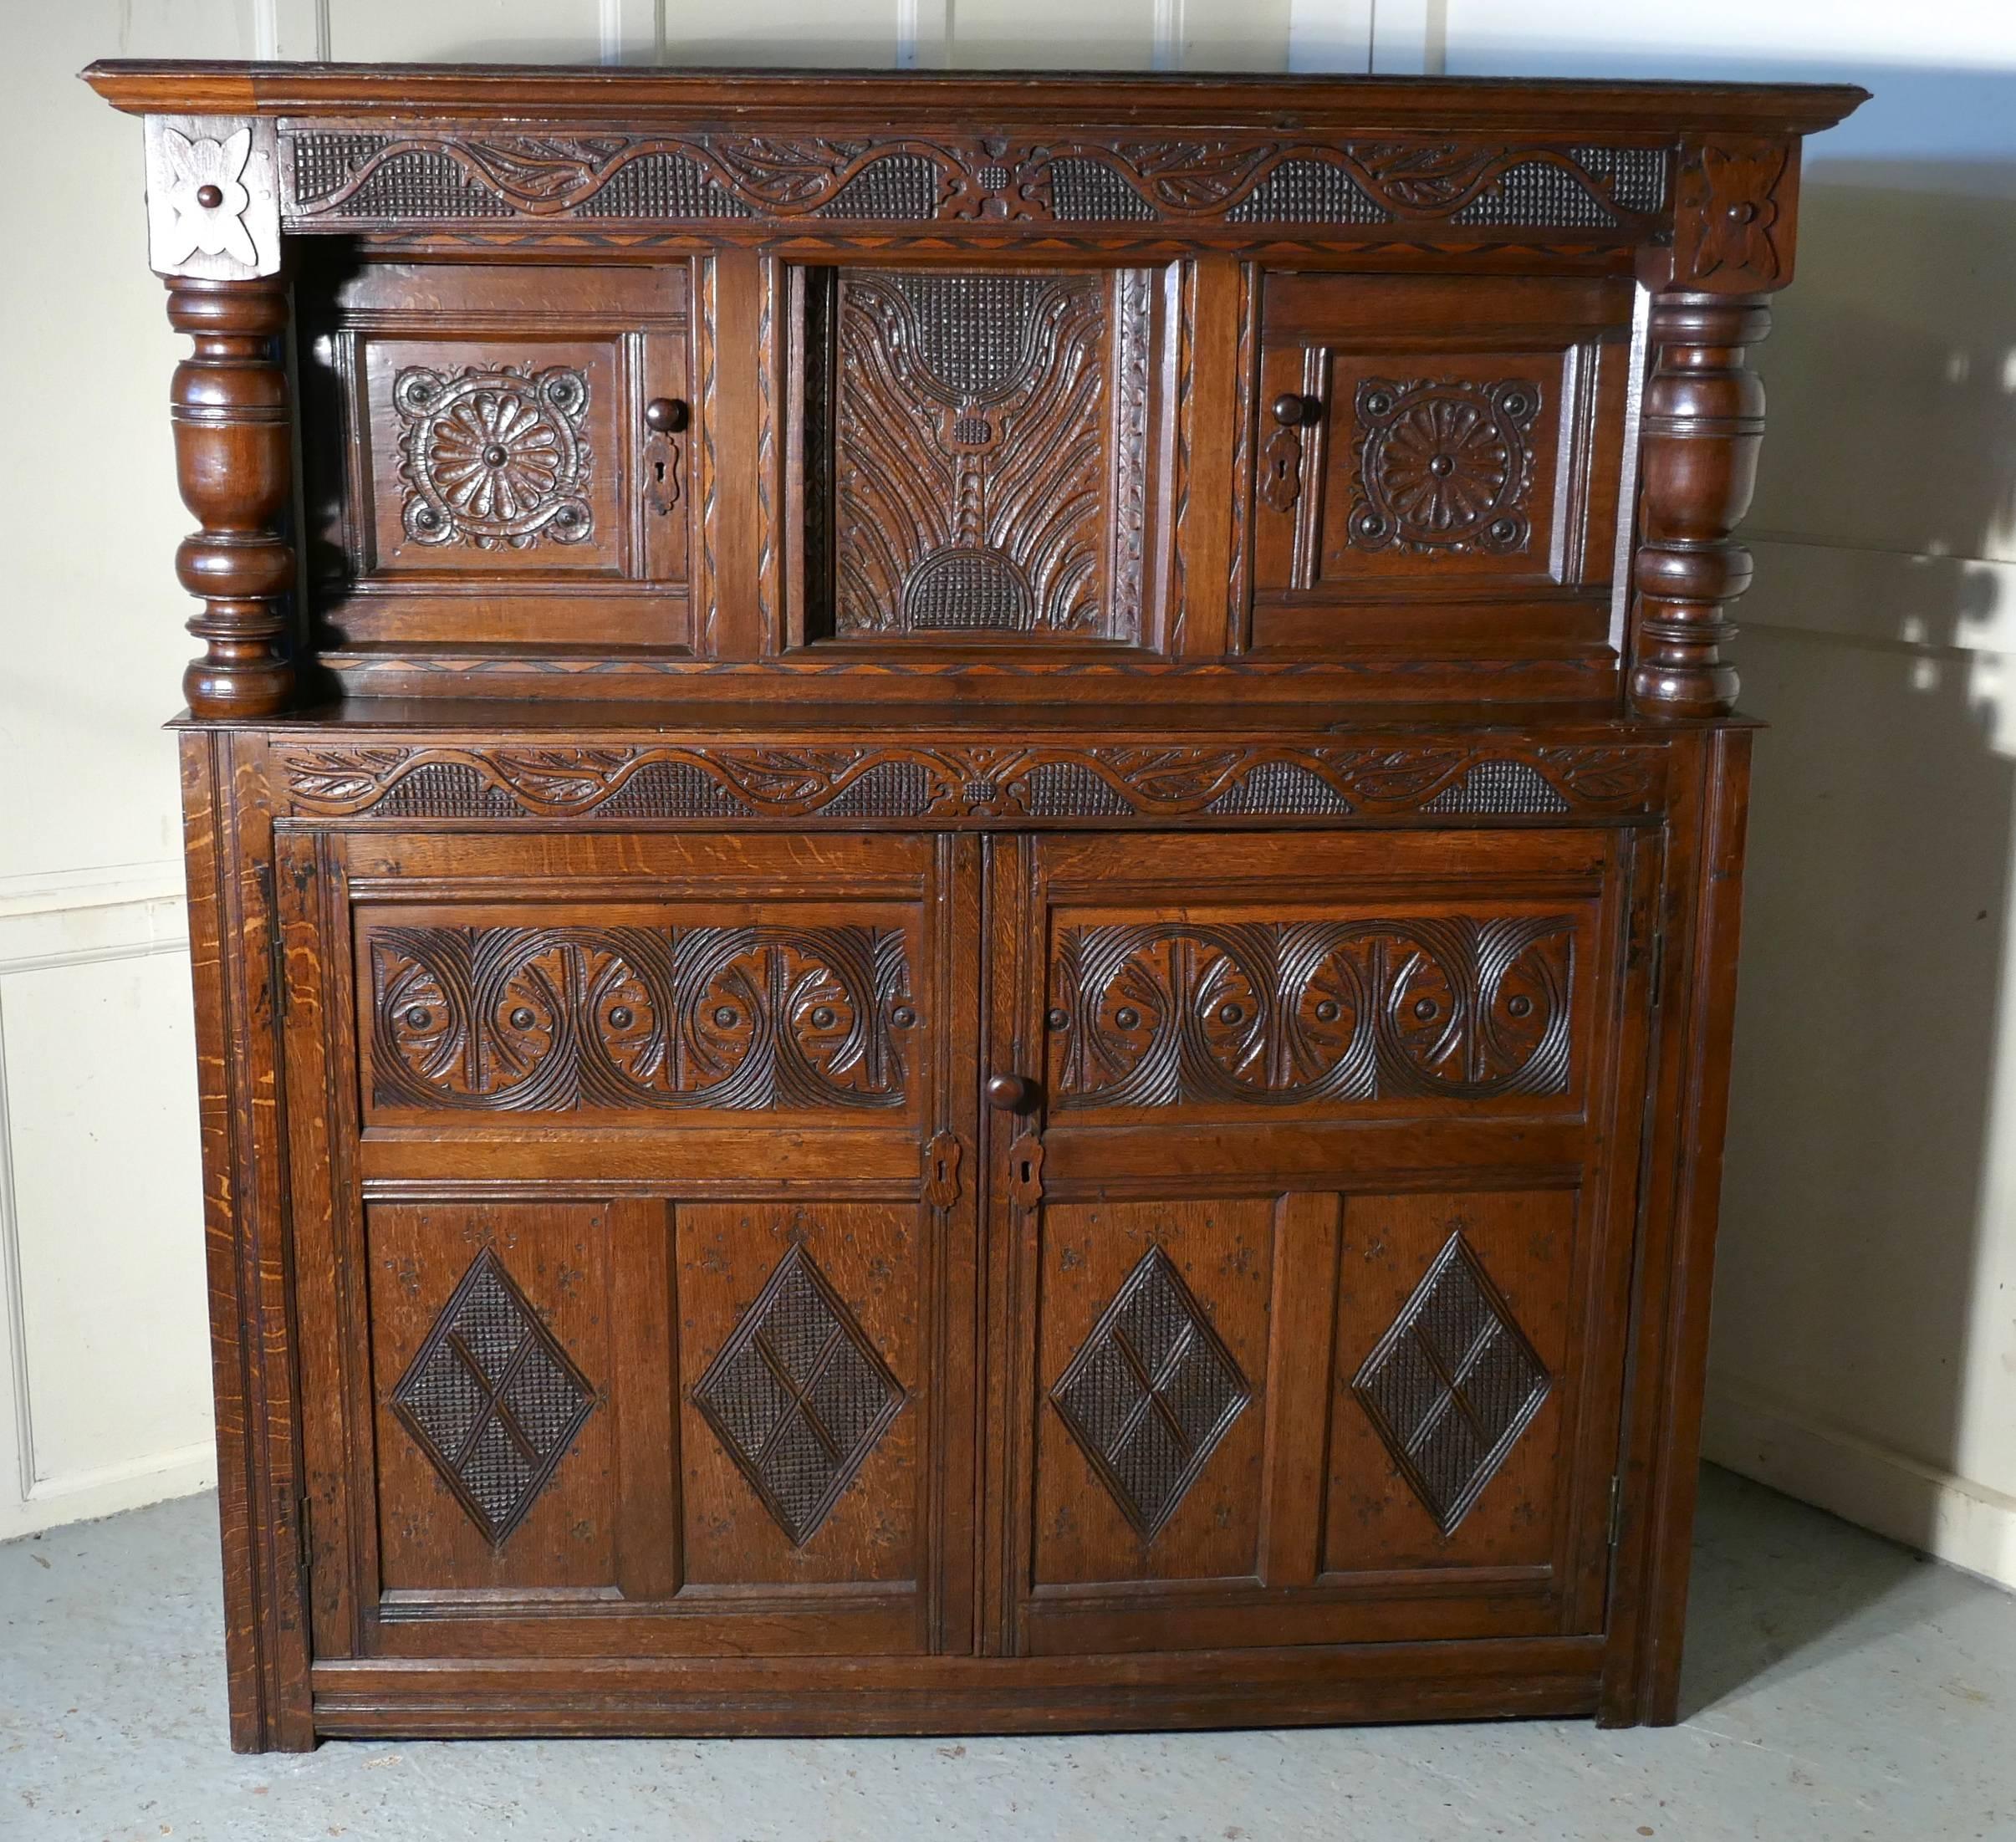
(1151, 1393)
(492, 1399)
(799, 1397)
(1452, 1383)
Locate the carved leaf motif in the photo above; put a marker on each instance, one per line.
(1426, 177)
(1196, 176)
(789, 172)
(542, 169)
(342, 776)
(562, 777)
(978, 179)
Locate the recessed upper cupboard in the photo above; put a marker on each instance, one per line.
(501, 455)
(1439, 462)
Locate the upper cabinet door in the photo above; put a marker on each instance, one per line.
(975, 454)
(1317, 1238)
(502, 456)
(1438, 464)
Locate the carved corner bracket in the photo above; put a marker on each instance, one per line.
(213, 197)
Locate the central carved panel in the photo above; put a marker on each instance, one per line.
(547, 1019)
(978, 464)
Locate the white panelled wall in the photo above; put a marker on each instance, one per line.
(1865, 1333)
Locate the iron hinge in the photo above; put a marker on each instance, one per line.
(305, 1547)
(276, 944)
(1658, 982)
(1616, 1509)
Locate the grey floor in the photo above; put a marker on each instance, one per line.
(1837, 1687)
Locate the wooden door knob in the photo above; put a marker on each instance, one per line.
(665, 415)
(1011, 1093)
(1292, 410)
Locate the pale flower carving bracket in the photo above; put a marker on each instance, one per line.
(214, 198)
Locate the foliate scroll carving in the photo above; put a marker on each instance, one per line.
(530, 1019)
(1151, 1393)
(1443, 465)
(1452, 1385)
(1732, 210)
(492, 1399)
(799, 1395)
(213, 204)
(901, 783)
(442, 174)
(978, 462)
(494, 456)
(1162, 1013)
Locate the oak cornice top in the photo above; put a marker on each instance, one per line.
(1003, 99)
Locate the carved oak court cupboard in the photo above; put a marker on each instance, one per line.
(963, 856)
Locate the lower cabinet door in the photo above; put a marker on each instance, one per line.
(635, 1243)
(1313, 1238)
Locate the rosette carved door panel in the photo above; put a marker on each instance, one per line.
(636, 1234)
(1320, 1191)
(1438, 464)
(500, 457)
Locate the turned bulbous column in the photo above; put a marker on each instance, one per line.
(1703, 420)
(233, 463)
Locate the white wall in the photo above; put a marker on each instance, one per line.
(1865, 1340)
(1864, 1349)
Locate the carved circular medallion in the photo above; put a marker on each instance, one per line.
(494, 458)
(1444, 465)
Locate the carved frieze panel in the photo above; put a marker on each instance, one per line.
(903, 782)
(1443, 465)
(1151, 1393)
(977, 456)
(799, 1397)
(339, 177)
(1452, 1385)
(552, 1019)
(492, 1399)
(1166, 1013)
